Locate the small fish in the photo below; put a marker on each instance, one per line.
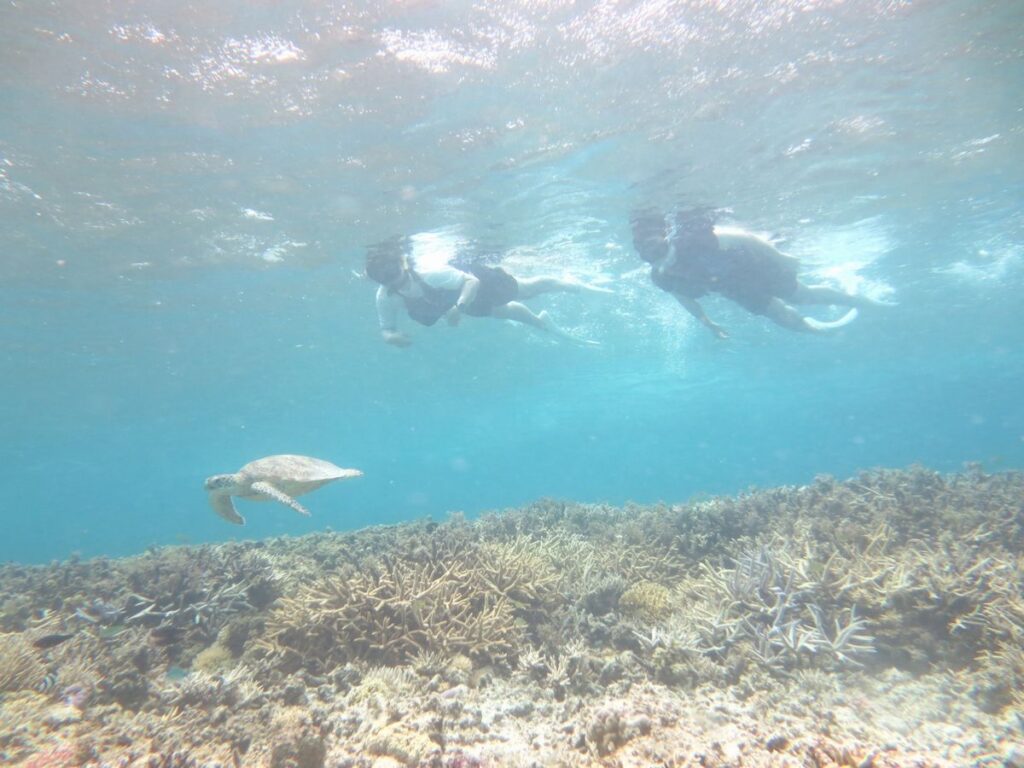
(176, 673)
(99, 612)
(113, 630)
(47, 683)
(50, 641)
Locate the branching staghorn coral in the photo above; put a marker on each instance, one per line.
(520, 570)
(846, 639)
(920, 504)
(197, 594)
(999, 681)
(587, 541)
(939, 600)
(771, 612)
(72, 665)
(675, 653)
(791, 581)
(20, 667)
(948, 602)
(586, 566)
(393, 612)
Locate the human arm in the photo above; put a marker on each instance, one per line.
(387, 316)
(692, 306)
(469, 290)
(470, 287)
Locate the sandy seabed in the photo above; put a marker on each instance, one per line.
(876, 621)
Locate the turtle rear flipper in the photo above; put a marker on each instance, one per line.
(266, 489)
(224, 506)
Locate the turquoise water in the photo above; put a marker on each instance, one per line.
(186, 193)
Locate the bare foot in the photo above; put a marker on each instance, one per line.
(552, 328)
(575, 284)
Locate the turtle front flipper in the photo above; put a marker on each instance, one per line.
(266, 489)
(224, 506)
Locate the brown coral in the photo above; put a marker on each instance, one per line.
(772, 592)
(395, 611)
(647, 601)
(20, 667)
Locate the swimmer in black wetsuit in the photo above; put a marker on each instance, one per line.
(690, 257)
(432, 291)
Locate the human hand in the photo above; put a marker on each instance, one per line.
(719, 331)
(396, 338)
(454, 315)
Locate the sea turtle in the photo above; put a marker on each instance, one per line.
(272, 478)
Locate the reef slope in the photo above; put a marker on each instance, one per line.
(876, 621)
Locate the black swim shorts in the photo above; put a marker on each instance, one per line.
(497, 287)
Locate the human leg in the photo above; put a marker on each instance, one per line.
(534, 286)
(520, 313)
(781, 313)
(822, 294)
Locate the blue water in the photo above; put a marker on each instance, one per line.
(185, 197)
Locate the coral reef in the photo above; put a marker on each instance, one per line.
(20, 667)
(216, 658)
(873, 621)
(769, 609)
(474, 600)
(646, 601)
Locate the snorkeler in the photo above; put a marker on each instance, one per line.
(428, 292)
(690, 257)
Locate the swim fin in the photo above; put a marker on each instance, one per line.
(831, 325)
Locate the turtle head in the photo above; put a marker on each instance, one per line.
(220, 488)
(220, 483)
